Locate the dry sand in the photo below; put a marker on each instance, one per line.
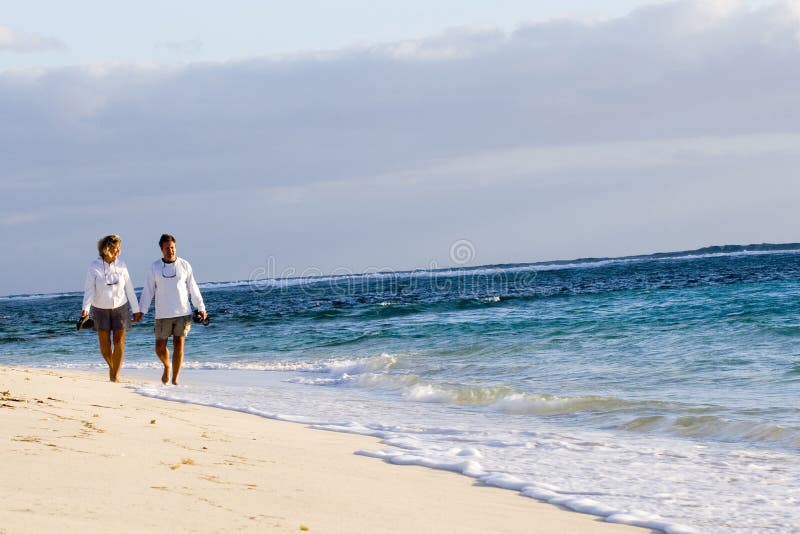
(81, 454)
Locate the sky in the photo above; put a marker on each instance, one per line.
(318, 137)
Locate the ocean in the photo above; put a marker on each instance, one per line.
(660, 391)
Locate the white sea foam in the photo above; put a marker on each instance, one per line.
(428, 393)
(450, 461)
(334, 367)
(319, 381)
(39, 296)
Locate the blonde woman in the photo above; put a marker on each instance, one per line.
(109, 296)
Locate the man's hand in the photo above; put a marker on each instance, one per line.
(84, 313)
(203, 315)
(137, 317)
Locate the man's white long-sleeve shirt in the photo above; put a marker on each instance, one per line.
(108, 286)
(172, 288)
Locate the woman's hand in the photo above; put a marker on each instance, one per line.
(84, 313)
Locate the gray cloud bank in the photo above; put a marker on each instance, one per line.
(675, 126)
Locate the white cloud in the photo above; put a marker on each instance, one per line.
(190, 47)
(456, 44)
(15, 41)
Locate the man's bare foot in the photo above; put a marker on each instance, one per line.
(165, 376)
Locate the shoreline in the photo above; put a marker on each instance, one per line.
(85, 454)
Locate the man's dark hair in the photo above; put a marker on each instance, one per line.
(165, 238)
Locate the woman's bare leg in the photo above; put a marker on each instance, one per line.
(104, 337)
(118, 355)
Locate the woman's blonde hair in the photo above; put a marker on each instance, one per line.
(106, 245)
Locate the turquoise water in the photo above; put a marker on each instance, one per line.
(660, 391)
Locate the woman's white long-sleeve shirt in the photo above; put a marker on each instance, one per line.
(171, 292)
(108, 286)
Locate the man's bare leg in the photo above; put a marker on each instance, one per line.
(104, 337)
(177, 357)
(118, 355)
(163, 354)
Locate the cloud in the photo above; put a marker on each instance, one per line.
(604, 132)
(455, 44)
(190, 47)
(14, 41)
(17, 219)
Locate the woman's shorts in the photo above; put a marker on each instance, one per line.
(116, 319)
(173, 326)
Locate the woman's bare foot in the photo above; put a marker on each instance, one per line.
(165, 376)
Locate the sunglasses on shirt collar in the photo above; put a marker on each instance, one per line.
(168, 270)
(112, 278)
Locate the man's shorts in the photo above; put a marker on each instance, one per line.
(173, 326)
(111, 319)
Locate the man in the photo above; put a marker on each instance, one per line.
(172, 282)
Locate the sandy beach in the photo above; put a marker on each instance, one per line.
(82, 454)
